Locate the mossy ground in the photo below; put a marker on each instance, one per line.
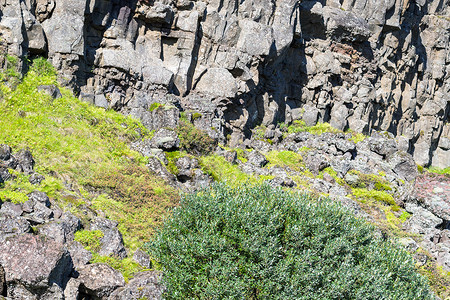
(83, 153)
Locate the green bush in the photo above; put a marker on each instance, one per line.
(194, 140)
(264, 243)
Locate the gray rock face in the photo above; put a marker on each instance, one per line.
(360, 64)
(145, 285)
(112, 242)
(99, 280)
(35, 262)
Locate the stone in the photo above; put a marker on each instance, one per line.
(166, 140)
(144, 285)
(421, 220)
(184, 166)
(99, 280)
(5, 152)
(217, 81)
(101, 101)
(80, 256)
(35, 261)
(142, 258)
(257, 159)
(51, 90)
(112, 241)
(13, 225)
(39, 197)
(11, 209)
(36, 178)
(316, 163)
(25, 161)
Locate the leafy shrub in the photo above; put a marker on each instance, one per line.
(263, 243)
(194, 140)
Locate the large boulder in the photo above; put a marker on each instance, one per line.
(145, 285)
(112, 241)
(34, 262)
(99, 280)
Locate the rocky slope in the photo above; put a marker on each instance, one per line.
(357, 64)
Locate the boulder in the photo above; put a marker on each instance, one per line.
(112, 241)
(99, 280)
(316, 163)
(80, 256)
(257, 159)
(51, 90)
(35, 262)
(166, 140)
(142, 258)
(145, 285)
(25, 161)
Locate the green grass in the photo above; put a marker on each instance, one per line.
(285, 159)
(319, 128)
(89, 239)
(381, 196)
(445, 171)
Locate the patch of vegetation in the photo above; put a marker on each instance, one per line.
(263, 243)
(285, 159)
(381, 196)
(127, 266)
(172, 158)
(77, 144)
(370, 181)
(222, 170)
(445, 171)
(194, 140)
(437, 277)
(319, 128)
(91, 240)
(155, 106)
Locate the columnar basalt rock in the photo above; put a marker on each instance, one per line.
(362, 65)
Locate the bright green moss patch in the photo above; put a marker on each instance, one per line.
(221, 170)
(285, 159)
(381, 196)
(127, 266)
(91, 240)
(319, 128)
(445, 171)
(404, 216)
(155, 106)
(172, 158)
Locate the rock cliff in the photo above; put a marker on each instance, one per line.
(358, 64)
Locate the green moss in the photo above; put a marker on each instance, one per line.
(404, 216)
(381, 196)
(221, 170)
(285, 159)
(172, 158)
(319, 128)
(370, 181)
(420, 169)
(89, 239)
(127, 266)
(445, 171)
(196, 116)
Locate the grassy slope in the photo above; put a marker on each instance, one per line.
(82, 151)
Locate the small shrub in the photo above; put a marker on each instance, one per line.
(263, 243)
(194, 140)
(154, 106)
